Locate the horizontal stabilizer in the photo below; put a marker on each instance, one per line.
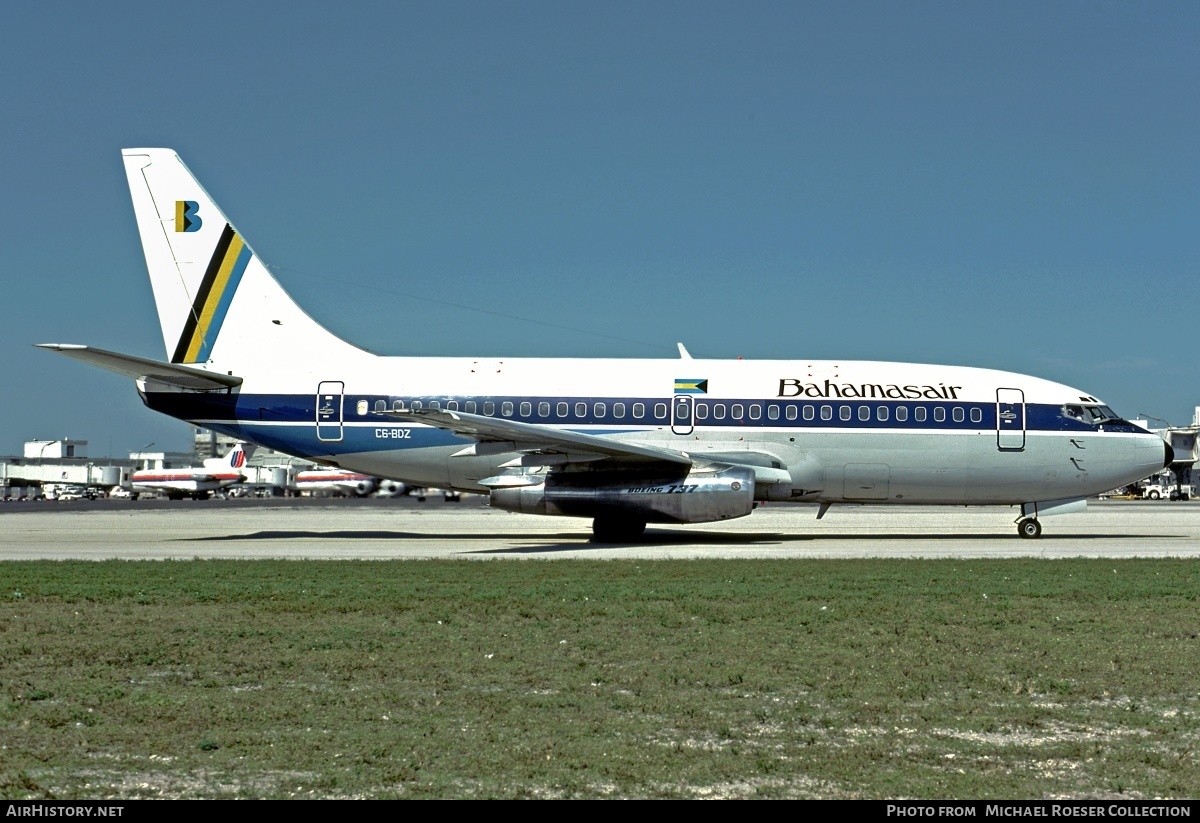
(141, 368)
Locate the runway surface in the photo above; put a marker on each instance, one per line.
(407, 530)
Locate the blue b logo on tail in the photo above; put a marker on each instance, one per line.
(186, 218)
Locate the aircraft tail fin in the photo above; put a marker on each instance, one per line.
(217, 302)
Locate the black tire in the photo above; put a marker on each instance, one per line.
(1154, 495)
(1029, 528)
(617, 529)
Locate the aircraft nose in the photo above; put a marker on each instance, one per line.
(1169, 456)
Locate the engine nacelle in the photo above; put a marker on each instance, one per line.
(389, 488)
(700, 496)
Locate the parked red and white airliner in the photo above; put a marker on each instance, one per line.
(198, 482)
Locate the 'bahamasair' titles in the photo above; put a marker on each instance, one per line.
(790, 387)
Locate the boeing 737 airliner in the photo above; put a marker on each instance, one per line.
(624, 442)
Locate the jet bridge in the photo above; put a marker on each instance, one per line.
(1185, 440)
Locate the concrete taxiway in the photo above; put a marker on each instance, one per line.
(406, 530)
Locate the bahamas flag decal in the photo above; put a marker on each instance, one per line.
(216, 292)
(690, 386)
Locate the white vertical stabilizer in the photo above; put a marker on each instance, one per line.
(217, 303)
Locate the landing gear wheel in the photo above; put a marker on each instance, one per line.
(616, 529)
(1029, 528)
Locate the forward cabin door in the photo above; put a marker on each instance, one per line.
(1010, 420)
(329, 411)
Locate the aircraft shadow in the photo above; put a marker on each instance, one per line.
(542, 543)
(668, 539)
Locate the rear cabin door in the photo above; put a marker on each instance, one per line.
(329, 411)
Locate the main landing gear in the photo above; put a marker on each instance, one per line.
(1029, 527)
(617, 529)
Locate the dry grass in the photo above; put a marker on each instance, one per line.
(830, 679)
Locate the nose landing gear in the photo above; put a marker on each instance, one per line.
(1029, 527)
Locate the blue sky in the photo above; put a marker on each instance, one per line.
(1011, 185)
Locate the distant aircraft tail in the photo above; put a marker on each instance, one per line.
(217, 303)
(235, 458)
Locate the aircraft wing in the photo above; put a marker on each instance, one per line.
(139, 368)
(513, 436)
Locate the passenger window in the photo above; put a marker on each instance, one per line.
(506, 408)
(660, 411)
(976, 415)
(681, 410)
(489, 408)
(719, 411)
(434, 405)
(901, 414)
(864, 413)
(398, 405)
(844, 412)
(581, 409)
(416, 405)
(919, 414)
(380, 406)
(958, 415)
(736, 411)
(526, 408)
(701, 411)
(827, 412)
(809, 412)
(755, 411)
(599, 409)
(452, 405)
(791, 412)
(939, 414)
(639, 410)
(618, 410)
(470, 407)
(543, 409)
(361, 407)
(881, 414)
(772, 412)
(561, 409)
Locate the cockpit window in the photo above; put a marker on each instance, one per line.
(1093, 415)
(1101, 413)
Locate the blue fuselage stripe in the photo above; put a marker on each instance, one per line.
(599, 414)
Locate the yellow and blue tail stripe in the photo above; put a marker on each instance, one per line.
(220, 282)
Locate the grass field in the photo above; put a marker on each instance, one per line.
(722, 678)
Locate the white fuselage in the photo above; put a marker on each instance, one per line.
(854, 431)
